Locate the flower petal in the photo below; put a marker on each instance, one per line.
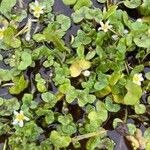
(110, 26)
(15, 112)
(100, 28)
(36, 2)
(107, 22)
(15, 122)
(26, 118)
(20, 123)
(21, 112)
(101, 23)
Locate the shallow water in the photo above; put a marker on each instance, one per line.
(77, 112)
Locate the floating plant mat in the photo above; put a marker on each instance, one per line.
(74, 74)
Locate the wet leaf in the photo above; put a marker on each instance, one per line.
(19, 85)
(101, 1)
(140, 109)
(133, 95)
(10, 39)
(68, 2)
(58, 140)
(80, 3)
(110, 106)
(132, 3)
(147, 134)
(26, 61)
(6, 6)
(64, 21)
(78, 66)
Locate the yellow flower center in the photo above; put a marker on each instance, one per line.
(37, 9)
(20, 117)
(136, 79)
(1, 33)
(106, 27)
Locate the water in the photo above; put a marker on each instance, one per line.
(75, 110)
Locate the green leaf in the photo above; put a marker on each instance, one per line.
(26, 61)
(49, 114)
(30, 131)
(80, 51)
(131, 128)
(84, 97)
(147, 134)
(9, 105)
(49, 98)
(116, 121)
(147, 75)
(90, 55)
(133, 95)
(140, 109)
(39, 37)
(59, 141)
(6, 6)
(40, 83)
(10, 39)
(49, 118)
(64, 21)
(137, 69)
(81, 39)
(144, 8)
(19, 85)
(6, 75)
(69, 2)
(111, 10)
(132, 3)
(92, 143)
(102, 83)
(1, 101)
(81, 3)
(110, 106)
(101, 1)
(114, 78)
(52, 34)
(142, 41)
(65, 120)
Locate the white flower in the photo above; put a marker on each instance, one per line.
(125, 31)
(19, 118)
(27, 37)
(137, 78)
(2, 33)
(37, 9)
(115, 37)
(139, 20)
(105, 27)
(86, 73)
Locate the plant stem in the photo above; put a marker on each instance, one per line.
(115, 32)
(8, 84)
(127, 69)
(5, 144)
(20, 3)
(25, 29)
(126, 115)
(88, 135)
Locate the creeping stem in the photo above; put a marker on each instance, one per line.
(88, 135)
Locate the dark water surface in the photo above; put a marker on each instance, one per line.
(77, 112)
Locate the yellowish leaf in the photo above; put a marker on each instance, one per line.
(75, 70)
(84, 64)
